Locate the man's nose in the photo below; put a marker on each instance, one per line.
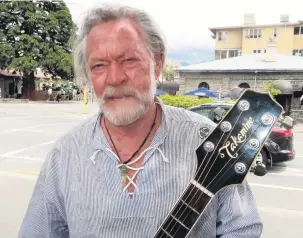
(116, 74)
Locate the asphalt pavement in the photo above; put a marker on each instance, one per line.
(27, 132)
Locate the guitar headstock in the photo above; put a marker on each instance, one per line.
(227, 153)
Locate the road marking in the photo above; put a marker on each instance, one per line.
(281, 211)
(72, 112)
(286, 174)
(27, 148)
(277, 187)
(34, 127)
(44, 132)
(29, 117)
(21, 158)
(18, 175)
(28, 171)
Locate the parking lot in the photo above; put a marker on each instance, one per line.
(27, 132)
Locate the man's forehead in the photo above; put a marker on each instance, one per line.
(122, 30)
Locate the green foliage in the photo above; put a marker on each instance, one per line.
(183, 101)
(36, 35)
(270, 88)
(167, 72)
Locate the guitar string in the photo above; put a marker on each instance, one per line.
(207, 187)
(232, 163)
(209, 170)
(190, 195)
(216, 147)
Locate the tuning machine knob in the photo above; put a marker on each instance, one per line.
(260, 169)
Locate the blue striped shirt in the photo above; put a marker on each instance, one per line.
(77, 196)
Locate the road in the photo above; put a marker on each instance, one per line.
(27, 132)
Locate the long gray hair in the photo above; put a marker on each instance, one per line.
(149, 30)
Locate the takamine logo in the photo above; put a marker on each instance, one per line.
(233, 143)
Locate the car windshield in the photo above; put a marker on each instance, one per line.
(207, 112)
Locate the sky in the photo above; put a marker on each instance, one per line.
(185, 23)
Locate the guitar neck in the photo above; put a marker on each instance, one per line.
(185, 212)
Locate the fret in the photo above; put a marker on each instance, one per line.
(195, 198)
(193, 209)
(180, 222)
(164, 234)
(173, 228)
(203, 189)
(185, 213)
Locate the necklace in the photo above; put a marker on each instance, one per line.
(124, 168)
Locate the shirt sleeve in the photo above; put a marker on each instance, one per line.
(238, 216)
(45, 215)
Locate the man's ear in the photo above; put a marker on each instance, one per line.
(158, 64)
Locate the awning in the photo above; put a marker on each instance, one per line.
(284, 86)
(203, 92)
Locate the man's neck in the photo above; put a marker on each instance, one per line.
(141, 126)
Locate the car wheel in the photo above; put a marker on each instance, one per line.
(262, 157)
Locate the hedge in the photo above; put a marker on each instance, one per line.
(183, 101)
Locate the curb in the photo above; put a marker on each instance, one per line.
(55, 102)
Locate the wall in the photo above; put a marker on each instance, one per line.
(190, 81)
(298, 42)
(234, 40)
(284, 40)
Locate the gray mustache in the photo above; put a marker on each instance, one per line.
(119, 92)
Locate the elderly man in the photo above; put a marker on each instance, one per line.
(119, 173)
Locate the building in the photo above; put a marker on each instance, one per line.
(251, 38)
(9, 84)
(246, 71)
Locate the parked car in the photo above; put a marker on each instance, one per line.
(278, 146)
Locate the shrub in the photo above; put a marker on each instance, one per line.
(183, 101)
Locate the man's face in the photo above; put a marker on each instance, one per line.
(121, 71)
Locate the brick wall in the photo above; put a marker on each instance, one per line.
(189, 81)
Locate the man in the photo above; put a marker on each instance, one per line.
(119, 173)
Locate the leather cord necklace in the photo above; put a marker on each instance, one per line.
(123, 168)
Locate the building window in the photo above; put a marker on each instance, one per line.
(244, 85)
(298, 30)
(203, 85)
(228, 53)
(253, 33)
(234, 53)
(257, 51)
(298, 52)
(222, 35)
(223, 54)
(275, 34)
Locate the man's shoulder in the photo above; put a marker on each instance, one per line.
(79, 132)
(183, 115)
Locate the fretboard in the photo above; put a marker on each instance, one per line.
(185, 213)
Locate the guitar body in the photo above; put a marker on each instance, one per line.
(224, 159)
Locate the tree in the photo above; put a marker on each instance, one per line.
(167, 72)
(270, 88)
(36, 34)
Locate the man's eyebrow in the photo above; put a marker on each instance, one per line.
(100, 58)
(96, 58)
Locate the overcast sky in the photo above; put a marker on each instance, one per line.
(185, 23)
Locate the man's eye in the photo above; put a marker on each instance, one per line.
(98, 66)
(130, 59)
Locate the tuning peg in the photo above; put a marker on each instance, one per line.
(260, 169)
